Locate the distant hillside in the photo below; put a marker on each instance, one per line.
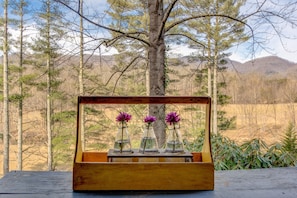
(269, 65)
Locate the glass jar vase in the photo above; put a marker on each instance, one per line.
(148, 141)
(174, 143)
(122, 142)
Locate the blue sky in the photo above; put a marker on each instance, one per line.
(287, 48)
(284, 46)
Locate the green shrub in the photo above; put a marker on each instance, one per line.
(254, 154)
(228, 155)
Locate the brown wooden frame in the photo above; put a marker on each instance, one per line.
(92, 171)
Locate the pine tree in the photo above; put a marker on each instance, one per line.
(46, 47)
(20, 9)
(219, 35)
(130, 58)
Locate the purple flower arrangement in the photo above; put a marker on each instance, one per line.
(123, 137)
(149, 119)
(172, 118)
(174, 142)
(149, 141)
(123, 117)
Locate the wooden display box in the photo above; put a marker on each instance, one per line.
(93, 171)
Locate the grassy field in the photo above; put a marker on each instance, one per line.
(266, 121)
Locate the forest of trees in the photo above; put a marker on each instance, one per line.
(49, 49)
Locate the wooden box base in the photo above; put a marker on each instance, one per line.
(94, 172)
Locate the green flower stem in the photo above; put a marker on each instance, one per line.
(145, 139)
(174, 139)
(121, 143)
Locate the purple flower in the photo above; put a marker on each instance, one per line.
(172, 117)
(150, 119)
(123, 117)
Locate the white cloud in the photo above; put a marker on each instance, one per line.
(180, 50)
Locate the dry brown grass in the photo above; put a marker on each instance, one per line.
(33, 159)
(265, 121)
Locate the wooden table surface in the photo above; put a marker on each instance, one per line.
(262, 183)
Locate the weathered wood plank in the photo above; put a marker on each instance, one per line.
(258, 183)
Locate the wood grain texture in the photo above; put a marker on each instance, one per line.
(143, 176)
(94, 157)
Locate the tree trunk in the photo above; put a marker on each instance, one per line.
(20, 108)
(81, 72)
(215, 115)
(48, 119)
(215, 67)
(5, 93)
(147, 81)
(209, 62)
(48, 98)
(156, 54)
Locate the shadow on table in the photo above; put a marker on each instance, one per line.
(143, 193)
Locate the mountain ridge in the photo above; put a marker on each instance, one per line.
(269, 65)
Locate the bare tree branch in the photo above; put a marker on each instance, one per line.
(121, 73)
(166, 15)
(207, 15)
(258, 10)
(188, 37)
(124, 34)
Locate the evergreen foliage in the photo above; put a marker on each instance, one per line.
(129, 16)
(289, 140)
(63, 139)
(252, 154)
(51, 28)
(217, 34)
